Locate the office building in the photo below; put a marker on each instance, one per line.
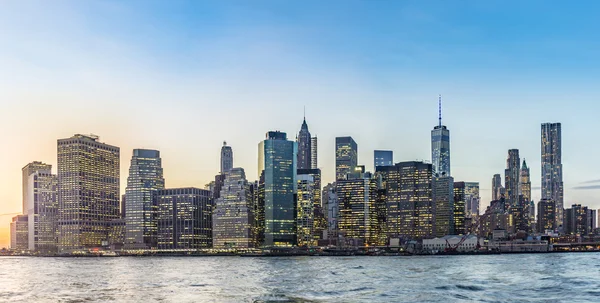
(512, 176)
(184, 218)
(19, 233)
(472, 200)
(546, 213)
(330, 204)
(88, 191)
(42, 211)
(226, 158)
(440, 147)
(525, 182)
(460, 206)
(277, 161)
(28, 170)
(306, 209)
(312, 177)
(314, 156)
(496, 186)
(233, 216)
(383, 158)
(346, 157)
(304, 147)
(409, 204)
(145, 179)
(443, 201)
(579, 220)
(552, 178)
(357, 214)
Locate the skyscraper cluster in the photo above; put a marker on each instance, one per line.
(80, 209)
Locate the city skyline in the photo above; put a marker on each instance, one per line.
(383, 96)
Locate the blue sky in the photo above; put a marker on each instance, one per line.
(182, 76)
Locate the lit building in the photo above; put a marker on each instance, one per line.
(319, 212)
(42, 210)
(409, 205)
(116, 234)
(460, 202)
(88, 192)
(357, 213)
(496, 186)
(277, 161)
(314, 157)
(472, 199)
(28, 170)
(525, 182)
(458, 243)
(306, 209)
(145, 179)
(304, 147)
(511, 177)
(226, 158)
(496, 217)
(440, 147)
(232, 216)
(346, 157)
(184, 218)
(330, 203)
(442, 189)
(383, 158)
(546, 216)
(552, 178)
(579, 220)
(19, 233)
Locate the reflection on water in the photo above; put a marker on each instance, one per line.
(573, 277)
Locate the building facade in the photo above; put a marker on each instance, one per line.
(443, 201)
(306, 210)
(19, 233)
(226, 158)
(304, 147)
(144, 181)
(512, 176)
(496, 186)
(440, 147)
(383, 158)
(552, 178)
(29, 169)
(88, 191)
(546, 214)
(42, 211)
(233, 217)
(357, 213)
(346, 157)
(472, 199)
(460, 207)
(314, 156)
(277, 161)
(184, 218)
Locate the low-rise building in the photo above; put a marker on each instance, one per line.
(452, 242)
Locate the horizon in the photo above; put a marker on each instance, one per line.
(183, 78)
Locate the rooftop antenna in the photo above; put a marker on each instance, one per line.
(440, 110)
(305, 112)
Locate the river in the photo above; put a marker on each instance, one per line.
(557, 277)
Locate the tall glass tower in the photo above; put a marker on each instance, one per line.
(145, 179)
(226, 158)
(552, 179)
(440, 147)
(304, 147)
(512, 175)
(277, 161)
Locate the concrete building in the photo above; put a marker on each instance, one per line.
(496, 185)
(314, 156)
(346, 157)
(552, 178)
(233, 216)
(19, 233)
(443, 201)
(88, 192)
(277, 164)
(184, 218)
(330, 203)
(26, 171)
(144, 181)
(579, 220)
(226, 158)
(452, 242)
(546, 216)
(42, 211)
(440, 147)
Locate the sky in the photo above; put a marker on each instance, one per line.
(183, 76)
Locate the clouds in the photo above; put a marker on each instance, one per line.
(588, 185)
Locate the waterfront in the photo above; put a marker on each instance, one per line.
(572, 277)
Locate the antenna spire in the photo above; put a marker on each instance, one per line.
(304, 112)
(440, 110)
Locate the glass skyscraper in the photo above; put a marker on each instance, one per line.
(443, 200)
(440, 147)
(277, 161)
(512, 176)
(88, 191)
(346, 157)
(496, 186)
(460, 203)
(552, 178)
(383, 158)
(226, 158)
(472, 199)
(145, 179)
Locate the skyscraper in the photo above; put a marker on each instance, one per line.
(460, 203)
(496, 185)
(440, 147)
(304, 147)
(42, 211)
(511, 177)
(226, 158)
(28, 170)
(443, 201)
(18, 233)
(357, 213)
(88, 191)
(232, 216)
(145, 179)
(184, 218)
(383, 158)
(472, 199)
(314, 157)
(546, 216)
(525, 182)
(552, 179)
(310, 180)
(306, 209)
(409, 205)
(346, 157)
(277, 161)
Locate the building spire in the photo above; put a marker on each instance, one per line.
(440, 110)
(304, 112)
